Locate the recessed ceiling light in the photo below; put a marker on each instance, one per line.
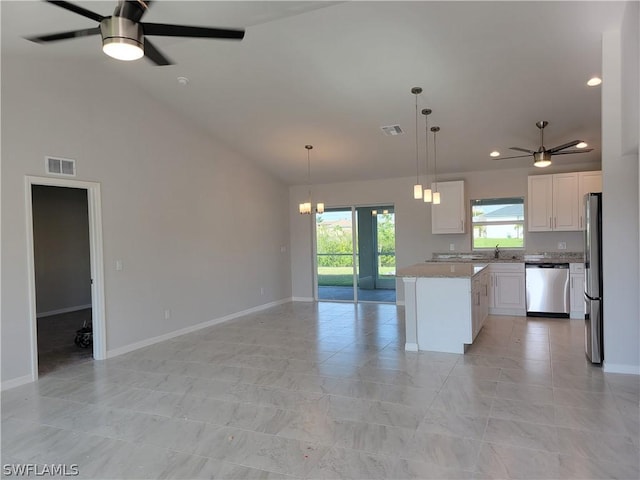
(495, 153)
(582, 145)
(594, 82)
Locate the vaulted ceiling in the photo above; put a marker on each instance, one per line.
(332, 73)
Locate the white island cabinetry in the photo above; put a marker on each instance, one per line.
(446, 305)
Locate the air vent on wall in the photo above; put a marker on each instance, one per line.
(392, 130)
(60, 166)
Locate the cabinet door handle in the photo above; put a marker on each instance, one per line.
(571, 282)
(462, 225)
(581, 223)
(550, 223)
(555, 222)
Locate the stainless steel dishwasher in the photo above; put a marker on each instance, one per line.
(547, 287)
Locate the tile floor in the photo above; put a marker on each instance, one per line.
(326, 391)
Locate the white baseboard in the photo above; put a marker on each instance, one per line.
(411, 347)
(62, 310)
(183, 331)
(302, 299)
(620, 368)
(16, 382)
(514, 312)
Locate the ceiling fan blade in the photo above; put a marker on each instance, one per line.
(522, 150)
(65, 35)
(563, 146)
(507, 158)
(153, 54)
(77, 9)
(585, 150)
(187, 31)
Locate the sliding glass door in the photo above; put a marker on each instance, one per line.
(355, 254)
(335, 254)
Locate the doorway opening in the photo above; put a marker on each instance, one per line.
(66, 299)
(355, 254)
(62, 276)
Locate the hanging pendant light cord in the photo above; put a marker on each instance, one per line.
(309, 172)
(435, 158)
(426, 139)
(417, 161)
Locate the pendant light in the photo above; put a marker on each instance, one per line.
(417, 188)
(436, 193)
(305, 208)
(427, 195)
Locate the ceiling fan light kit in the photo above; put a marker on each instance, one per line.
(541, 159)
(122, 39)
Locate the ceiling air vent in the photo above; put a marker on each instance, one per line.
(60, 166)
(392, 130)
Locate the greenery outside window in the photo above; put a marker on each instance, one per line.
(497, 221)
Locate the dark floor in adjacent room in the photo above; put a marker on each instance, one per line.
(56, 347)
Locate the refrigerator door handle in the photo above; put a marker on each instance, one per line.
(589, 297)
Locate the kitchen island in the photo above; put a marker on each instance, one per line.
(445, 305)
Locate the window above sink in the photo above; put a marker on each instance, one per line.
(497, 221)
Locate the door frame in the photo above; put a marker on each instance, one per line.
(94, 204)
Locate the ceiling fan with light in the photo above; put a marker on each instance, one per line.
(542, 157)
(123, 34)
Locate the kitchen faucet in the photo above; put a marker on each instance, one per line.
(496, 252)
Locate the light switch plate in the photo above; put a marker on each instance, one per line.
(452, 247)
(562, 245)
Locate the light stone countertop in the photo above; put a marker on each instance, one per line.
(442, 270)
(507, 256)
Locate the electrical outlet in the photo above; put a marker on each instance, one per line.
(562, 245)
(118, 265)
(167, 314)
(261, 290)
(452, 247)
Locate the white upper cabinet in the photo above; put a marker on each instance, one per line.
(588, 182)
(554, 202)
(565, 202)
(450, 215)
(540, 203)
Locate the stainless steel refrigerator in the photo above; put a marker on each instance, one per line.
(593, 277)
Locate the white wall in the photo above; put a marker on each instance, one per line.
(414, 241)
(198, 229)
(620, 198)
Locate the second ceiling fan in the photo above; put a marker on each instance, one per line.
(123, 34)
(542, 156)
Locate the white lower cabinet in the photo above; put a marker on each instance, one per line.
(506, 289)
(576, 288)
(479, 301)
